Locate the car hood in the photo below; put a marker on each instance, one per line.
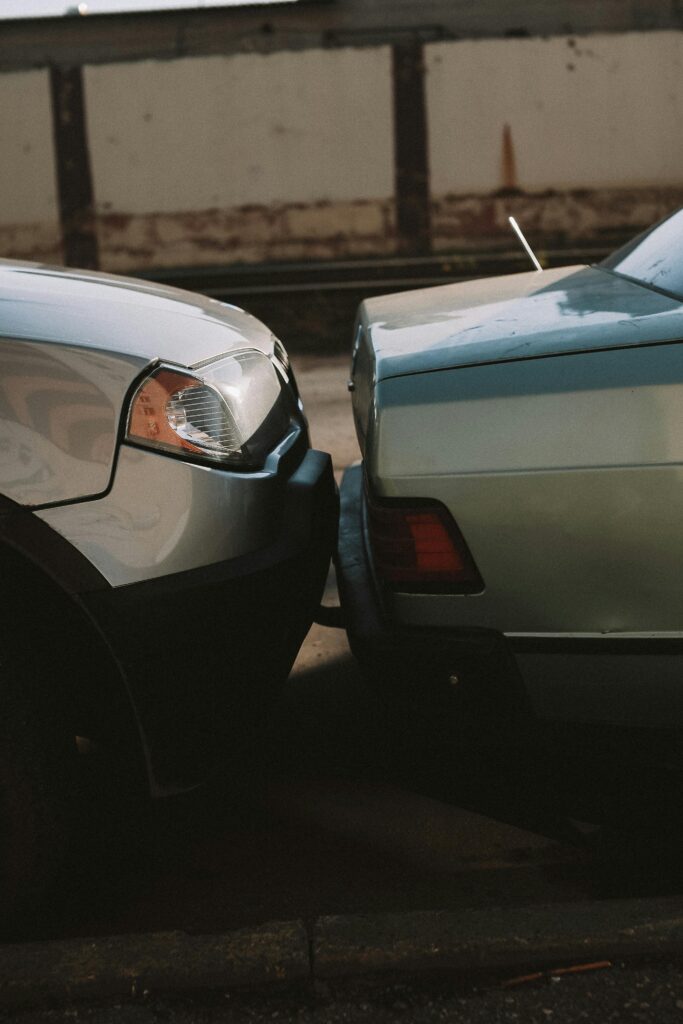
(519, 316)
(73, 343)
(121, 315)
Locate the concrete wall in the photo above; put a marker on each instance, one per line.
(29, 211)
(295, 154)
(579, 137)
(602, 112)
(251, 157)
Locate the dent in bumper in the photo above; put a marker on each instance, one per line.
(164, 515)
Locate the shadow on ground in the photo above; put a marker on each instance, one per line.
(335, 810)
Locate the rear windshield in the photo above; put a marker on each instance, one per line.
(655, 258)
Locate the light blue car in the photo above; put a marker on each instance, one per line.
(517, 516)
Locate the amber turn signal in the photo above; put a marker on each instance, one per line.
(150, 419)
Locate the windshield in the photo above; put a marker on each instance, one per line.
(655, 257)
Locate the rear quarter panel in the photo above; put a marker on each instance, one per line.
(565, 475)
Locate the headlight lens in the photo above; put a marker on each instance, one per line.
(231, 411)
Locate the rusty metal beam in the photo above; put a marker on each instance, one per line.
(74, 178)
(72, 41)
(411, 148)
(367, 275)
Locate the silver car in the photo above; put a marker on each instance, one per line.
(517, 514)
(165, 533)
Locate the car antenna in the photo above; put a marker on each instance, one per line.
(529, 251)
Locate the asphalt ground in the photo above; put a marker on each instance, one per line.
(335, 812)
(322, 818)
(615, 993)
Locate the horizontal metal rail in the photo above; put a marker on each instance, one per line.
(392, 273)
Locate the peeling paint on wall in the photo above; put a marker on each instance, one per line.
(331, 231)
(249, 234)
(39, 242)
(550, 218)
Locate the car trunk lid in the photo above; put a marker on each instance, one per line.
(519, 316)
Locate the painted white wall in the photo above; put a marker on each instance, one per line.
(198, 133)
(304, 141)
(28, 187)
(591, 112)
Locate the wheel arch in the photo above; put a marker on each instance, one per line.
(42, 578)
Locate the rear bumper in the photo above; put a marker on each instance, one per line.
(621, 680)
(387, 647)
(203, 652)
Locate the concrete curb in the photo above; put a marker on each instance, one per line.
(128, 966)
(509, 939)
(469, 942)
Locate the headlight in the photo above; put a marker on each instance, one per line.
(231, 411)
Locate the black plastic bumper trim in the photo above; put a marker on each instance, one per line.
(607, 645)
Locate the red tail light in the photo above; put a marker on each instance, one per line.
(418, 547)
